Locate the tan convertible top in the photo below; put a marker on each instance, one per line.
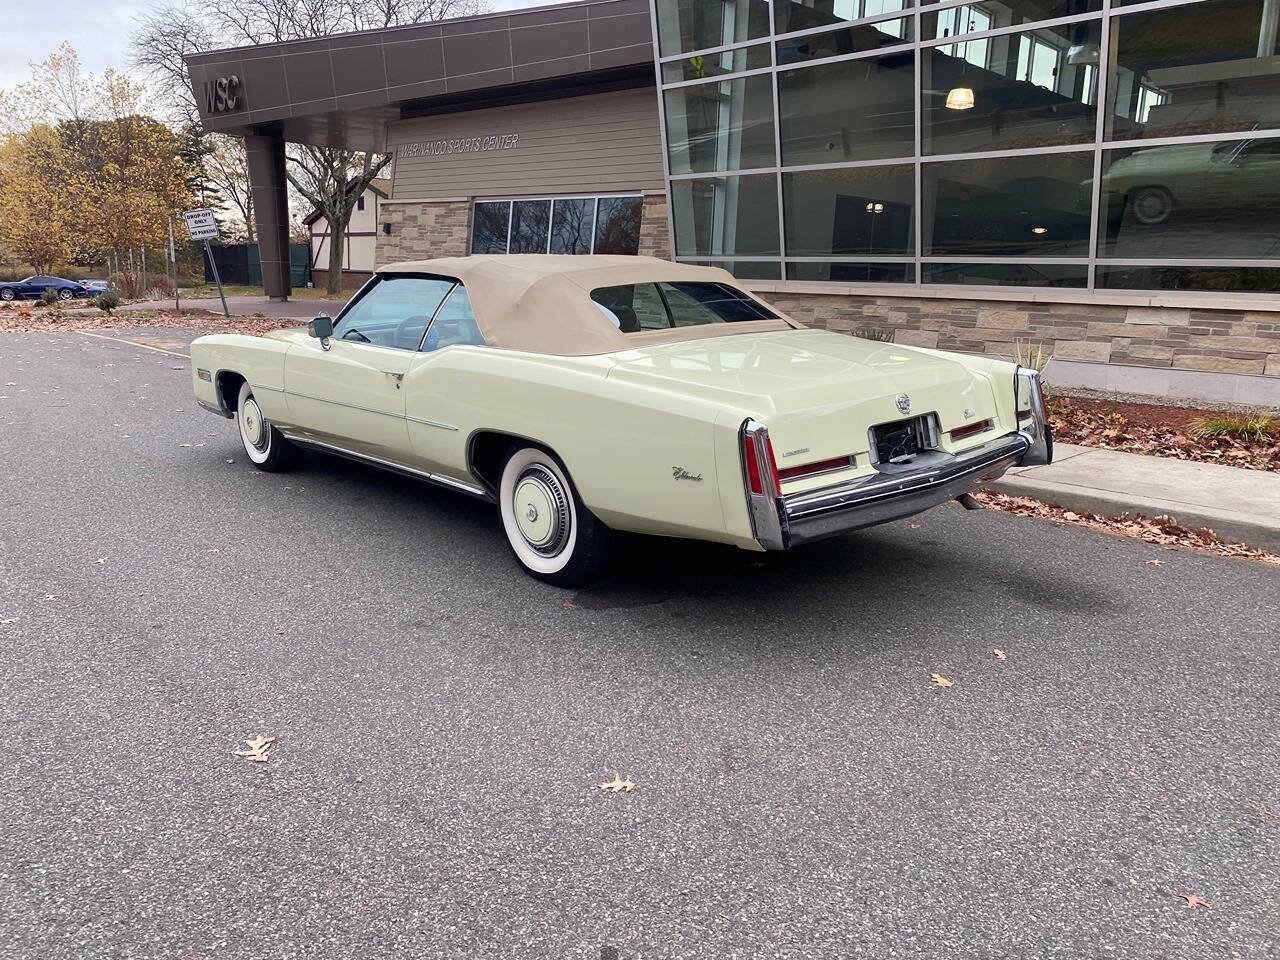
(541, 302)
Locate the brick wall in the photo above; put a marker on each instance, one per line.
(1225, 341)
(654, 238)
(432, 228)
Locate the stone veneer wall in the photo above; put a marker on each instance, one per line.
(420, 230)
(655, 239)
(1225, 341)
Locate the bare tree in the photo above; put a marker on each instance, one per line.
(227, 168)
(332, 179)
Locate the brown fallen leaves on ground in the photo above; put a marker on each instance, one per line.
(1194, 901)
(999, 654)
(1163, 531)
(618, 785)
(1134, 428)
(940, 681)
(259, 748)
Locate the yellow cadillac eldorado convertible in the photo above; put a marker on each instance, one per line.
(593, 394)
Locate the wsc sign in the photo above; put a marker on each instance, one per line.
(223, 95)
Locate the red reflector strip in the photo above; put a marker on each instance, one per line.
(753, 465)
(959, 433)
(820, 466)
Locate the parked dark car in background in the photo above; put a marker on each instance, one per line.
(32, 287)
(97, 286)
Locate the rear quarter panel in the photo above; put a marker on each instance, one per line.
(621, 443)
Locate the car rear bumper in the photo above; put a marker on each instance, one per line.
(933, 479)
(895, 491)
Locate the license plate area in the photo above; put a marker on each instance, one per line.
(901, 441)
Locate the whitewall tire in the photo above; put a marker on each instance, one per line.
(265, 446)
(553, 535)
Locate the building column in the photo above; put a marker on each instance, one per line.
(270, 192)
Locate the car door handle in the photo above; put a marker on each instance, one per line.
(394, 375)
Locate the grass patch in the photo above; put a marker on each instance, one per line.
(1257, 427)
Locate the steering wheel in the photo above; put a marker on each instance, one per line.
(403, 326)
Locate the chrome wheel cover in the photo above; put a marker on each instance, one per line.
(253, 427)
(541, 510)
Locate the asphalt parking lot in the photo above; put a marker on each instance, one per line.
(443, 721)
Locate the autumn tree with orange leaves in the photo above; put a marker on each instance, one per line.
(87, 171)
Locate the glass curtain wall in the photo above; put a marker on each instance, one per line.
(1099, 144)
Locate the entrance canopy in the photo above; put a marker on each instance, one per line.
(342, 90)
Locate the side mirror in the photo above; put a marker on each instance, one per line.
(321, 327)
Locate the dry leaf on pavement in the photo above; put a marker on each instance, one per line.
(258, 748)
(618, 785)
(1000, 654)
(1194, 901)
(940, 681)
(1155, 563)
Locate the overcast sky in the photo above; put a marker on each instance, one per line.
(98, 29)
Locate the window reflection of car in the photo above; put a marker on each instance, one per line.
(1151, 183)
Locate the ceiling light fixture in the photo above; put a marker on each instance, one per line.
(960, 98)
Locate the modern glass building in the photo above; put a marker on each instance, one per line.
(1025, 143)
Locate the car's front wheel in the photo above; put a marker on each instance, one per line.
(265, 445)
(1151, 205)
(551, 532)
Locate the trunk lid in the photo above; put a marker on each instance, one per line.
(818, 392)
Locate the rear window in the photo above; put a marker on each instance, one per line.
(637, 307)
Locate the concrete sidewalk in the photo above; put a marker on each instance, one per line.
(1237, 504)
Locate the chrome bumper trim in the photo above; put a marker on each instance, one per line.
(1036, 426)
(933, 479)
(392, 466)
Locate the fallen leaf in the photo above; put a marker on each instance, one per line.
(940, 681)
(231, 459)
(1000, 654)
(258, 748)
(50, 596)
(1194, 901)
(570, 605)
(102, 560)
(1155, 563)
(184, 444)
(9, 620)
(618, 785)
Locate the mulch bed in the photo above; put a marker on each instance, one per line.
(1163, 531)
(1163, 431)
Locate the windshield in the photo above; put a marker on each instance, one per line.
(637, 307)
(394, 312)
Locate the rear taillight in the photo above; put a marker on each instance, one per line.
(959, 433)
(762, 469)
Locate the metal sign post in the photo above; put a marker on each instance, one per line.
(201, 226)
(173, 258)
(217, 279)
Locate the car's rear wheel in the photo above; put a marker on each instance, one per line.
(551, 532)
(6, 294)
(65, 293)
(265, 445)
